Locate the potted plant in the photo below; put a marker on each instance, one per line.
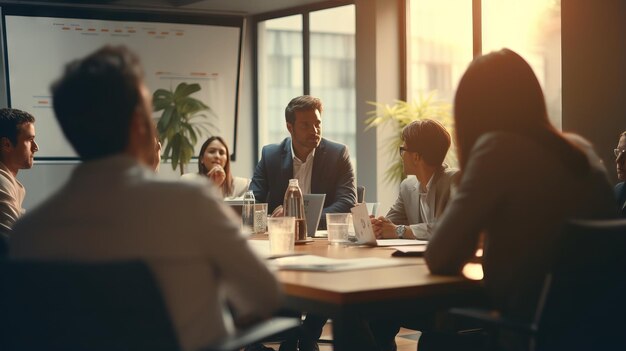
(181, 122)
(400, 114)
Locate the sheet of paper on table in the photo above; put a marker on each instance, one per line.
(325, 264)
(400, 242)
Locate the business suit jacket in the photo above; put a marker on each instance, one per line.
(332, 175)
(406, 209)
(620, 195)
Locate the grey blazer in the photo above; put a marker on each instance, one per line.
(406, 209)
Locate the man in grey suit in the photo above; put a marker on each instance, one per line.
(425, 192)
(320, 165)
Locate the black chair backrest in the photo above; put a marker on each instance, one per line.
(360, 194)
(586, 303)
(82, 306)
(4, 245)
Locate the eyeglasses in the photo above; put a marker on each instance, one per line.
(617, 152)
(402, 150)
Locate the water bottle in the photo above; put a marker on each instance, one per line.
(293, 206)
(247, 212)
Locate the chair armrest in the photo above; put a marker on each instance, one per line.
(256, 333)
(492, 318)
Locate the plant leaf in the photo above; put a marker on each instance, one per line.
(184, 90)
(400, 114)
(162, 99)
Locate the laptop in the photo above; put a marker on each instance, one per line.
(313, 205)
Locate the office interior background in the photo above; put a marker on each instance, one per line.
(350, 53)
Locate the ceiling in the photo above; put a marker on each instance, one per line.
(235, 7)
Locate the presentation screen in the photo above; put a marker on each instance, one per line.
(38, 48)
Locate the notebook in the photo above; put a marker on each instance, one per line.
(313, 205)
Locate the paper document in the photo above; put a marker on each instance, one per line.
(400, 242)
(325, 264)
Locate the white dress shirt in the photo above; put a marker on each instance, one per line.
(427, 209)
(302, 170)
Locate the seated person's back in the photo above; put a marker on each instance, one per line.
(113, 209)
(521, 181)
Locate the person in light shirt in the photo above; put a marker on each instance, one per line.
(425, 192)
(17, 150)
(115, 208)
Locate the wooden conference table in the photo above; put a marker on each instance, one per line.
(389, 292)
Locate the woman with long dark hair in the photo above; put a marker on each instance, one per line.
(214, 163)
(521, 179)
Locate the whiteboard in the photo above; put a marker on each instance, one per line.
(38, 48)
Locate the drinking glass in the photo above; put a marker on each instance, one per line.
(260, 218)
(281, 234)
(337, 226)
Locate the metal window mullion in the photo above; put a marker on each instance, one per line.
(306, 54)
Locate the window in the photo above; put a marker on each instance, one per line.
(332, 72)
(280, 74)
(441, 43)
(327, 71)
(532, 28)
(440, 46)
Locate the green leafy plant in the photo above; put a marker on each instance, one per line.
(181, 122)
(400, 114)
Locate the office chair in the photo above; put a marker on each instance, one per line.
(360, 194)
(4, 245)
(95, 306)
(582, 305)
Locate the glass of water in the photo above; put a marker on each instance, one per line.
(337, 226)
(260, 218)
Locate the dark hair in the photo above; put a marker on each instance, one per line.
(428, 138)
(227, 186)
(499, 92)
(11, 120)
(95, 99)
(301, 103)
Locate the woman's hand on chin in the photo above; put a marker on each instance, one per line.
(217, 175)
